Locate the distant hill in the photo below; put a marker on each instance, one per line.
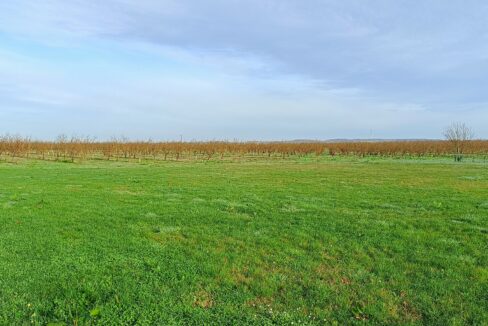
(358, 140)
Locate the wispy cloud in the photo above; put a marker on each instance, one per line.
(283, 68)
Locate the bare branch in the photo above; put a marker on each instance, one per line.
(458, 134)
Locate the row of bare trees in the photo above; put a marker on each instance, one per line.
(459, 141)
(72, 150)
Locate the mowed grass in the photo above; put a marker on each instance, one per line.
(304, 242)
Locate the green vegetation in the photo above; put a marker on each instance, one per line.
(304, 241)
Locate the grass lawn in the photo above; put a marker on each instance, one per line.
(296, 241)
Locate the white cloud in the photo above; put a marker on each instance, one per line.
(283, 68)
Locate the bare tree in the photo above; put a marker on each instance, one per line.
(458, 134)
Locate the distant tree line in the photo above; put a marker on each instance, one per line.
(458, 144)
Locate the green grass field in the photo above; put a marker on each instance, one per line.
(269, 242)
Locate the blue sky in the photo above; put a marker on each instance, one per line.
(235, 69)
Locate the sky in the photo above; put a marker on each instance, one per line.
(243, 69)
